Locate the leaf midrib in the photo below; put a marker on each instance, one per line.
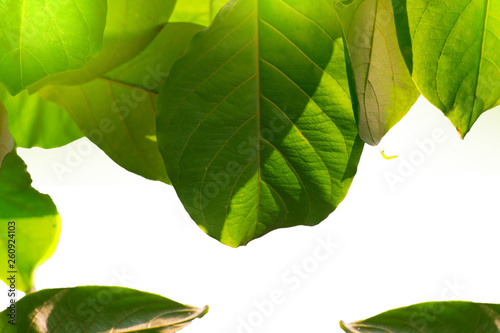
(481, 51)
(259, 59)
(259, 96)
(367, 80)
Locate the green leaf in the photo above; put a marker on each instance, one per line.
(456, 58)
(36, 122)
(6, 141)
(95, 309)
(255, 122)
(384, 88)
(37, 224)
(43, 38)
(130, 26)
(433, 317)
(116, 111)
(200, 12)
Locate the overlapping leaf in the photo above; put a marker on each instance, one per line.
(255, 123)
(36, 122)
(43, 38)
(130, 26)
(384, 88)
(456, 58)
(200, 12)
(99, 309)
(6, 141)
(433, 317)
(116, 111)
(37, 224)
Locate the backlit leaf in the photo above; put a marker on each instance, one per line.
(43, 38)
(456, 56)
(130, 26)
(36, 122)
(385, 90)
(255, 122)
(200, 12)
(37, 224)
(116, 111)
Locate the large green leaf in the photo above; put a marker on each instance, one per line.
(200, 12)
(433, 317)
(130, 26)
(456, 56)
(96, 309)
(36, 122)
(384, 88)
(116, 111)
(37, 224)
(6, 141)
(43, 38)
(255, 123)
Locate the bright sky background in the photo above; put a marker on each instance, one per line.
(432, 235)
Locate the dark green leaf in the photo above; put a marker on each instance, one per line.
(403, 31)
(434, 317)
(385, 90)
(99, 309)
(43, 38)
(456, 56)
(255, 123)
(36, 122)
(37, 223)
(116, 111)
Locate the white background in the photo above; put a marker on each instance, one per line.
(432, 235)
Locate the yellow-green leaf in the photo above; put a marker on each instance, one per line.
(36, 122)
(42, 38)
(29, 225)
(116, 111)
(200, 12)
(130, 26)
(456, 56)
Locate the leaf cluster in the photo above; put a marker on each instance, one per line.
(256, 111)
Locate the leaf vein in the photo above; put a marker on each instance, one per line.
(310, 98)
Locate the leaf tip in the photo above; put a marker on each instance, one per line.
(343, 325)
(204, 311)
(462, 133)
